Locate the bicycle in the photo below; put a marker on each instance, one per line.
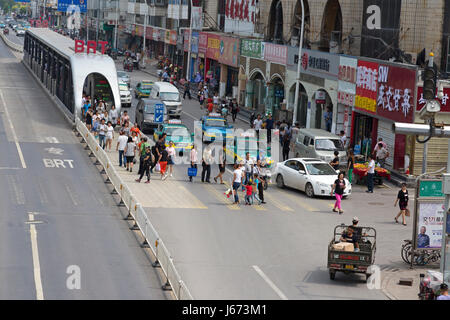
(422, 257)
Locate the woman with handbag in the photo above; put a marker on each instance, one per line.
(403, 198)
(171, 157)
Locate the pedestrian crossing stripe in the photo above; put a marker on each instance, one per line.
(277, 203)
(222, 198)
(301, 203)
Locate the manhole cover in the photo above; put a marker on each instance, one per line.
(376, 203)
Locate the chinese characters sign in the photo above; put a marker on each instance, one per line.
(213, 49)
(275, 53)
(316, 63)
(366, 86)
(429, 225)
(202, 42)
(347, 81)
(229, 51)
(445, 101)
(396, 87)
(251, 48)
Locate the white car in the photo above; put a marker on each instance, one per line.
(313, 176)
(125, 95)
(20, 32)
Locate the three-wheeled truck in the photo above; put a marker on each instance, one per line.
(352, 261)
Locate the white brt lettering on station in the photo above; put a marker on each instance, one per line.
(58, 163)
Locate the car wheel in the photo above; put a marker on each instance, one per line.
(280, 181)
(309, 190)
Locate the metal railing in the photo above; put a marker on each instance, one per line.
(137, 213)
(12, 45)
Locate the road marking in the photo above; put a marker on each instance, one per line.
(9, 168)
(270, 283)
(17, 190)
(19, 150)
(300, 202)
(71, 194)
(222, 198)
(57, 151)
(36, 264)
(277, 203)
(51, 140)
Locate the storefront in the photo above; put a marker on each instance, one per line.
(212, 65)
(228, 58)
(385, 93)
(276, 57)
(254, 90)
(318, 87)
(346, 93)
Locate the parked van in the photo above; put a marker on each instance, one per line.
(170, 95)
(319, 144)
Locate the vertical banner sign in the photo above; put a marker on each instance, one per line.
(366, 86)
(396, 88)
(197, 18)
(381, 26)
(213, 49)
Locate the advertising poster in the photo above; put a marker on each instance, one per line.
(229, 51)
(366, 86)
(63, 5)
(430, 224)
(213, 49)
(381, 26)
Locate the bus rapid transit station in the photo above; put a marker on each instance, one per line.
(67, 74)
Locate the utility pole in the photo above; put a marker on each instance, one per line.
(188, 75)
(117, 24)
(145, 34)
(299, 64)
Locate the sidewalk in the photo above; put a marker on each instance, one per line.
(394, 291)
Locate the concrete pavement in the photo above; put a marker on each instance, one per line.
(57, 216)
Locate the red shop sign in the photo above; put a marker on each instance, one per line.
(202, 42)
(366, 86)
(213, 49)
(395, 100)
(345, 98)
(445, 101)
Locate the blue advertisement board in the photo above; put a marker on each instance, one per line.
(63, 5)
(23, 1)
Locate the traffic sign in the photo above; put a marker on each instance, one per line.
(430, 189)
(159, 113)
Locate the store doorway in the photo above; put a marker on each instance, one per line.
(362, 133)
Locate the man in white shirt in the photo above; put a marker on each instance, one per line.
(257, 124)
(343, 139)
(121, 144)
(382, 153)
(193, 158)
(370, 174)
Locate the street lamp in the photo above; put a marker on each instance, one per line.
(297, 83)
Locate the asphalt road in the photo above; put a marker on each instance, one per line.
(274, 252)
(57, 217)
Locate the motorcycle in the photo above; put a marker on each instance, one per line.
(128, 65)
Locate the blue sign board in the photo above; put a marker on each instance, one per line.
(63, 5)
(22, 1)
(159, 113)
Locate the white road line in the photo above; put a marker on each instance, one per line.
(270, 283)
(36, 265)
(19, 150)
(190, 115)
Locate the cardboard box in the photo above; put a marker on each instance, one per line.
(343, 246)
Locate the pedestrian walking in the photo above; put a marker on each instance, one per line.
(164, 157)
(249, 193)
(124, 117)
(269, 127)
(403, 198)
(109, 135)
(234, 109)
(206, 164)
(121, 144)
(102, 128)
(210, 105)
(126, 128)
(350, 165)
(338, 188)
(237, 180)
(222, 165)
(143, 146)
(370, 174)
(335, 162)
(113, 115)
(187, 89)
(257, 124)
(247, 169)
(343, 139)
(201, 98)
(130, 151)
(146, 165)
(256, 183)
(193, 159)
(171, 157)
(136, 130)
(286, 146)
(157, 150)
(89, 119)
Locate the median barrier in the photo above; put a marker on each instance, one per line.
(12, 45)
(173, 279)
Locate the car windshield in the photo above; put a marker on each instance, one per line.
(215, 123)
(123, 87)
(320, 169)
(169, 96)
(122, 74)
(146, 86)
(329, 145)
(177, 131)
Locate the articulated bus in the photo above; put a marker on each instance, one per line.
(67, 74)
